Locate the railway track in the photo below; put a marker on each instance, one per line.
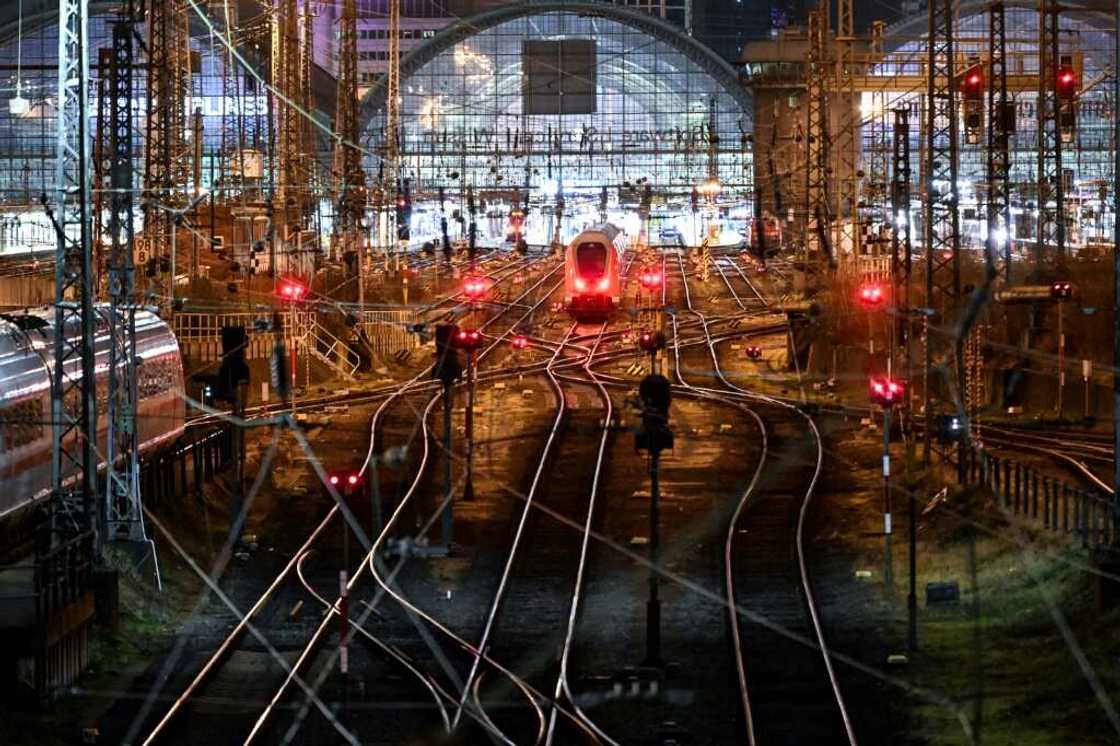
(789, 690)
(518, 686)
(279, 595)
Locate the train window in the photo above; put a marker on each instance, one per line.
(591, 259)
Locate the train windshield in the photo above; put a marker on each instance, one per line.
(591, 259)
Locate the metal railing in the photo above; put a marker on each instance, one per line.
(192, 326)
(1046, 501)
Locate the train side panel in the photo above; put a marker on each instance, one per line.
(25, 405)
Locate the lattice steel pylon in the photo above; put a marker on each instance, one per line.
(307, 64)
(998, 256)
(901, 245)
(942, 219)
(879, 160)
(73, 380)
(102, 149)
(232, 143)
(393, 116)
(848, 182)
(165, 160)
(287, 79)
(816, 135)
(347, 158)
(124, 518)
(1051, 243)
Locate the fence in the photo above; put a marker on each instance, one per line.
(165, 475)
(387, 331)
(1057, 506)
(199, 334)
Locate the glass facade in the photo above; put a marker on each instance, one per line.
(1087, 155)
(657, 116)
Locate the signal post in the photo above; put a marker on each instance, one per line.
(447, 370)
(655, 395)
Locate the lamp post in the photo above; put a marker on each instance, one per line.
(447, 370)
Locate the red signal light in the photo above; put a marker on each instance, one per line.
(650, 279)
(352, 479)
(291, 290)
(871, 294)
(1067, 83)
(1061, 290)
(651, 341)
(972, 83)
(886, 392)
(334, 479)
(475, 287)
(520, 342)
(468, 339)
(754, 352)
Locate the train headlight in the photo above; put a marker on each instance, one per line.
(580, 284)
(604, 284)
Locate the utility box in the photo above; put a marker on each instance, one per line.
(943, 593)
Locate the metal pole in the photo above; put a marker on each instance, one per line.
(448, 511)
(912, 598)
(468, 488)
(888, 572)
(1116, 280)
(375, 497)
(1061, 357)
(174, 250)
(360, 245)
(653, 606)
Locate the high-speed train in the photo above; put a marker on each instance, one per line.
(26, 358)
(592, 287)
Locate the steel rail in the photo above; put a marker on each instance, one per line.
(372, 553)
(806, 585)
(499, 594)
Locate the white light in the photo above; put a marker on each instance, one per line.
(900, 220)
(999, 236)
(549, 187)
(18, 106)
(631, 223)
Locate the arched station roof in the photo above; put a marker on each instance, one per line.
(1093, 13)
(700, 55)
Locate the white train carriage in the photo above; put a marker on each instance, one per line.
(26, 358)
(592, 282)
